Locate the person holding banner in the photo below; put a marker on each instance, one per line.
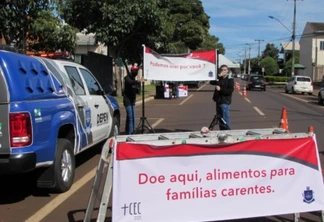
(131, 88)
(223, 96)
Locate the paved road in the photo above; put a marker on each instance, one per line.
(21, 201)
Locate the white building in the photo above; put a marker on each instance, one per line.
(312, 50)
(87, 43)
(286, 49)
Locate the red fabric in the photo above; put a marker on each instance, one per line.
(298, 149)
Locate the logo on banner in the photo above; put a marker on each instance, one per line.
(132, 209)
(308, 195)
(210, 74)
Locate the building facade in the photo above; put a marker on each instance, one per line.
(312, 50)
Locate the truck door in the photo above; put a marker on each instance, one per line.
(81, 101)
(100, 112)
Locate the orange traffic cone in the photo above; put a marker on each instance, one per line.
(284, 119)
(237, 86)
(244, 92)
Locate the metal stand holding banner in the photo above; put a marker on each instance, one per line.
(143, 124)
(102, 188)
(104, 195)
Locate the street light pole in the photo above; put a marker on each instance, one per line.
(293, 42)
(272, 17)
(293, 37)
(249, 65)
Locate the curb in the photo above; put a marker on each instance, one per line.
(145, 100)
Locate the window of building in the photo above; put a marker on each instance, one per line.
(321, 45)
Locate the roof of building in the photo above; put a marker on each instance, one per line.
(316, 26)
(86, 39)
(287, 46)
(225, 61)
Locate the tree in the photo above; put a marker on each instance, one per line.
(123, 26)
(254, 63)
(25, 22)
(287, 64)
(212, 42)
(270, 65)
(166, 26)
(271, 50)
(187, 28)
(47, 33)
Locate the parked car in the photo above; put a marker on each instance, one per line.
(244, 76)
(256, 82)
(299, 84)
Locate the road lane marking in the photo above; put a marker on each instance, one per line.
(185, 100)
(53, 204)
(258, 111)
(202, 86)
(157, 122)
(303, 100)
(249, 101)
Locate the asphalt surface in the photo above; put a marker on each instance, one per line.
(21, 201)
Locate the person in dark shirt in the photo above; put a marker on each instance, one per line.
(223, 97)
(131, 88)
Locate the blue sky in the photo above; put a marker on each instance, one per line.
(238, 22)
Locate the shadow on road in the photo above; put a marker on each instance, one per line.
(15, 188)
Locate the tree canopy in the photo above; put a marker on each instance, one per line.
(270, 65)
(31, 25)
(167, 26)
(271, 50)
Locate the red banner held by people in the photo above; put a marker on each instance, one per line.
(194, 66)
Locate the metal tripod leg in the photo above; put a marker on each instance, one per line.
(213, 123)
(142, 125)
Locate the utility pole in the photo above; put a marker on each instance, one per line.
(240, 60)
(293, 37)
(249, 66)
(259, 40)
(249, 60)
(245, 60)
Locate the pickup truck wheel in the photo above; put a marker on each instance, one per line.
(115, 127)
(64, 166)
